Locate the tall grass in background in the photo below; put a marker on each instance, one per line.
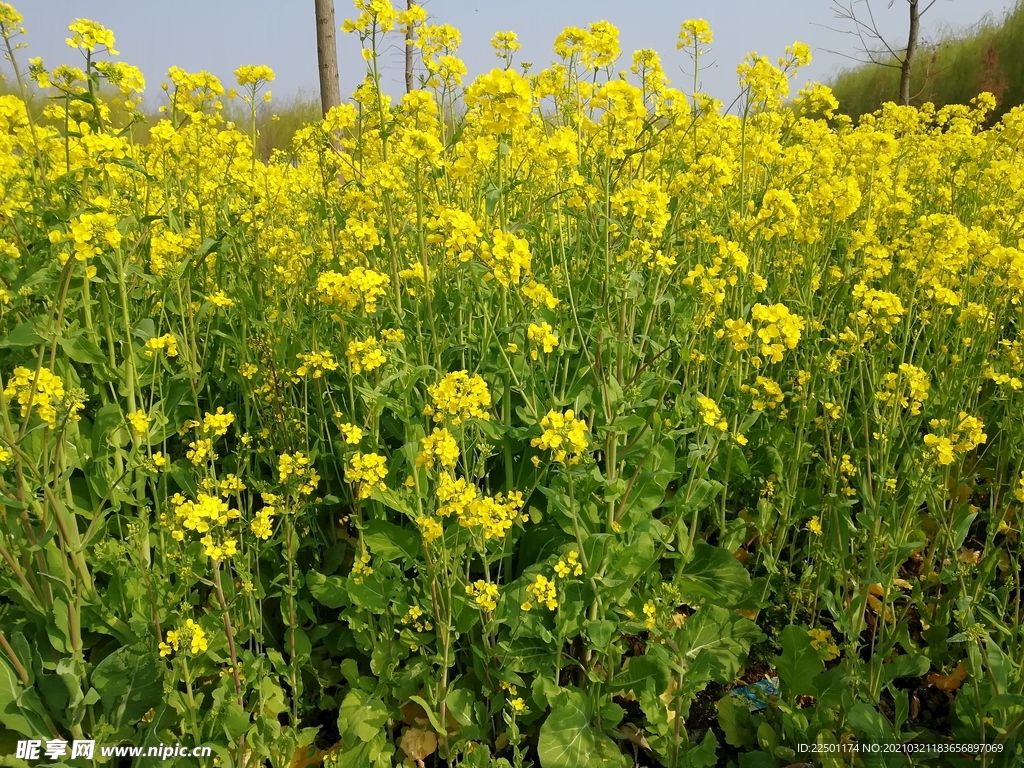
(953, 70)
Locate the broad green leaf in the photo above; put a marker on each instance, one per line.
(390, 542)
(704, 755)
(233, 720)
(643, 672)
(23, 335)
(20, 709)
(906, 666)
(799, 663)
(328, 590)
(718, 639)
(82, 349)
(869, 724)
(713, 574)
(735, 722)
(129, 683)
(568, 740)
(369, 594)
(361, 717)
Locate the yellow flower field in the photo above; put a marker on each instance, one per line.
(522, 421)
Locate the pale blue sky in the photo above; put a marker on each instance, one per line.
(219, 35)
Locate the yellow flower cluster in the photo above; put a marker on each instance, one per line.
(966, 435)
(90, 232)
(365, 355)
(878, 308)
(459, 396)
(190, 637)
(543, 335)
(501, 102)
(711, 413)
(220, 299)
(766, 392)
(539, 295)
(317, 363)
(821, 639)
(167, 342)
(650, 615)
(361, 286)
(693, 32)
(438, 449)
(351, 433)
(457, 231)
(367, 471)
(207, 515)
(907, 389)
(297, 466)
(544, 592)
(509, 258)
(493, 516)
(42, 393)
(564, 435)
(139, 422)
(413, 618)
(361, 568)
(483, 594)
(570, 564)
(88, 36)
(430, 528)
(262, 525)
(217, 423)
(779, 329)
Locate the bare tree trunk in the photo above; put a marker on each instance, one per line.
(327, 55)
(908, 58)
(408, 50)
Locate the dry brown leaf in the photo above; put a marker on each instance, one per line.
(875, 591)
(414, 714)
(301, 760)
(418, 743)
(969, 556)
(950, 682)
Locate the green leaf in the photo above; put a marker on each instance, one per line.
(234, 720)
(799, 664)
(736, 723)
(459, 702)
(906, 666)
(23, 335)
(130, 683)
(568, 740)
(696, 495)
(713, 574)
(703, 756)
(369, 594)
(390, 542)
(431, 715)
(327, 590)
(82, 349)
(869, 724)
(600, 632)
(361, 717)
(718, 638)
(20, 709)
(373, 753)
(643, 672)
